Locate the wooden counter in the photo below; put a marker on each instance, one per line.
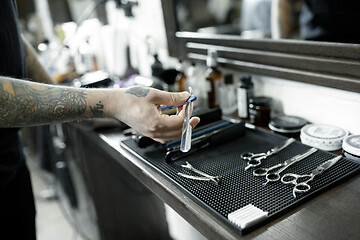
(334, 214)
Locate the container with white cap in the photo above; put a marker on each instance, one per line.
(324, 137)
(351, 147)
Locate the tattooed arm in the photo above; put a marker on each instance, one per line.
(24, 103)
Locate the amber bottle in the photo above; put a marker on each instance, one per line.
(213, 78)
(181, 77)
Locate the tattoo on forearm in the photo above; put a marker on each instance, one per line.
(22, 103)
(97, 110)
(138, 91)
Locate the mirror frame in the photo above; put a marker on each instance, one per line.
(335, 65)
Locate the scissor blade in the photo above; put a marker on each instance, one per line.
(300, 156)
(326, 165)
(283, 145)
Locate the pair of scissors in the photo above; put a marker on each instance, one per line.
(275, 176)
(203, 176)
(300, 187)
(254, 159)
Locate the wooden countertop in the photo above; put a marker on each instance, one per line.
(334, 214)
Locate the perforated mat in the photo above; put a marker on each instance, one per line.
(238, 187)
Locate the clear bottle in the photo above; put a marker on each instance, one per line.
(245, 92)
(87, 58)
(196, 80)
(228, 95)
(213, 77)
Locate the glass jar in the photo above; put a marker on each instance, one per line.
(260, 110)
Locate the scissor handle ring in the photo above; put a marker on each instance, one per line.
(260, 172)
(289, 178)
(272, 177)
(302, 187)
(247, 155)
(254, 162)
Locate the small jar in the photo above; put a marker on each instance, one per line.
(289, 126)
(351, 147)
(322, 136)
(260, 110)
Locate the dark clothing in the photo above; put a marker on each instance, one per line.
(12, 59)
(17, 209)
(331, 20)
(12, 64)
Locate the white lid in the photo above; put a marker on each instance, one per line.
(324, 137)
(351, 144)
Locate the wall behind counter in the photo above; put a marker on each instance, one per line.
(317, 104)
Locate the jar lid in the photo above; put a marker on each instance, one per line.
(287, 124)
(260, 101)
(324, 137)
(245, 82)
(351, 144)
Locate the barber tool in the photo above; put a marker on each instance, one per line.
(185, 144)
(210, 120)
(215, 138)
(203, 176)
(254, 159)
(273, 177)
(303, 186)
(189, 100)
(199, 131)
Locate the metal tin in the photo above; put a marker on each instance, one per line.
(351, 147)
(324, 137)
(287, 125)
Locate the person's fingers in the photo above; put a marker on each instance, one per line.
(194, 121)
(178, 109)
(174, 135)
(181, 113)
(170, 123)
(169, 98)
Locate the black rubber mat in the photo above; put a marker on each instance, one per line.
(238, 187)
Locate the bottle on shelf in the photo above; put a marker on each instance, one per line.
(196, 80)
(156, 66)
(228, 95)
(213, 78)
(181, 77)
(245, 92)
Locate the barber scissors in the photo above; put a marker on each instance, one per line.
(303, 186)
(203, 176)
(275, 176)
(254, 159)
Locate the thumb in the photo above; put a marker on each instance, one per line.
(171, 98)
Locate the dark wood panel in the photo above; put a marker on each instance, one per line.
(327, 80)
(310, 48)
(339, 67)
